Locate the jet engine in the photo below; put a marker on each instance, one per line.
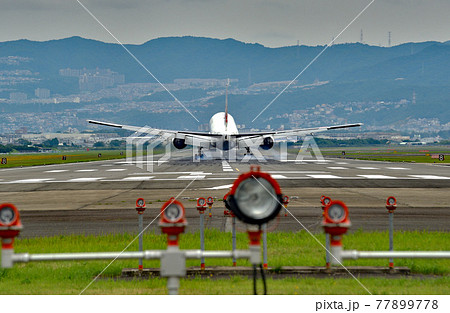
(179, 143)
(267, 143)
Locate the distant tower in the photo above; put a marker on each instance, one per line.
(389, 39)
(361, 39)
(414, 97)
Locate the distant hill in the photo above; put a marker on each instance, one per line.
(188, 57)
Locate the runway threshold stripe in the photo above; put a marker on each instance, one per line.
(429, 176)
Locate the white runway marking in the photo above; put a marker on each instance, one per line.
(279, 177)
(367, 168)
(138, 178)
(220, 187)
(84, 179)
(297, 172)
(341, 163)
(107, 165)
(226, 166)
(337, 168)
(191, 177)
(56, 171)
(398, 168)
(82, 171)
(117, 170)
(429, 176)
(377, 177)
(323, 176)
(30, 181)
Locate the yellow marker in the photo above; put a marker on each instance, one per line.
(237, 169)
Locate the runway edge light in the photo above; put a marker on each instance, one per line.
(255, 197)
(10, 227)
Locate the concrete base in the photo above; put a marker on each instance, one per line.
(283, 272)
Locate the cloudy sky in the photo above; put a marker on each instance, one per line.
(272, 23)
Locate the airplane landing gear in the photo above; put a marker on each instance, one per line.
(200, 154)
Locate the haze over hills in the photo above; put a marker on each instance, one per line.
(406, 82)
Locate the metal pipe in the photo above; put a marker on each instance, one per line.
(197, 254)
(26, 257)
(355, 254)
(173, 284)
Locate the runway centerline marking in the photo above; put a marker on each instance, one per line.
(87, 170)
(116, 170)
(337, 168)
(398, 168)
(367, 168)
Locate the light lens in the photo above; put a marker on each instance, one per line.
(326, 201)
(336, 213)
(391, 201)
(140, 202)
(201, 202)
(7, 215)
(256, 198)
(173, 212)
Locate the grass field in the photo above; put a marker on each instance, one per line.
(285, 249)
(33, 159)
(417, 154)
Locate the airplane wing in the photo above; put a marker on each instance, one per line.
(293, 132)
(189, 136)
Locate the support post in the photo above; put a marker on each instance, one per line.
(264, 229)
(391, 238)
(202, 238)
(7, 252)
(233, 232)
(141, 239)
(327, 251)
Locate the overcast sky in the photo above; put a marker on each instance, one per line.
(272, 23)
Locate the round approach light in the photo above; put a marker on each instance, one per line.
(172, 212)
(201, 202)
(336, 212)
(326, 201)
(140, 203)
(210, 201)
(8, 214)
(391, 201)
(255, 197)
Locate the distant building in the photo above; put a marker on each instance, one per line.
(42, 93)
(18, 96)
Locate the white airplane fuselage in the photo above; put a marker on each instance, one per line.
(223, 125)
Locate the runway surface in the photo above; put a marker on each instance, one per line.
(99, 197)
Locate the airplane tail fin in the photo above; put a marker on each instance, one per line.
(226, 104)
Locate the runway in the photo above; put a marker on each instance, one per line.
(99, 197)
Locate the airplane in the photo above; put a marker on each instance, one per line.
(223, 134)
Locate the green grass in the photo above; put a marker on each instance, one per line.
(33, 159)
(285, 249)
